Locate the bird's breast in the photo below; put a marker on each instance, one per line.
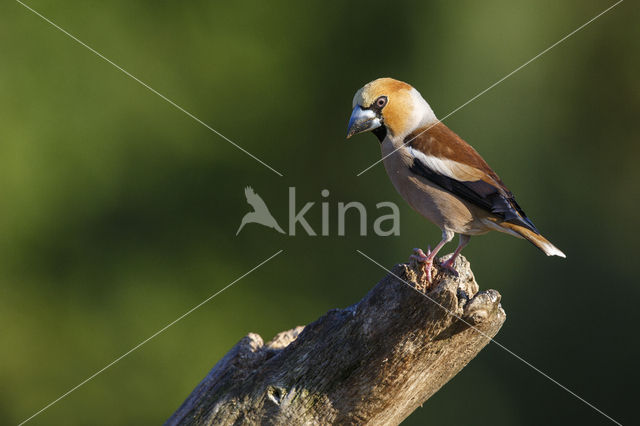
(430, 200)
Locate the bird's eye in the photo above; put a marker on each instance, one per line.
(381, 101)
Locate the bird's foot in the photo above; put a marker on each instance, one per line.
(419, 256)
(425, 261)
(448, 266)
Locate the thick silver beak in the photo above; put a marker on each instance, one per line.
(362, 120)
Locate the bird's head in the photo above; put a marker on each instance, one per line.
(387, 106)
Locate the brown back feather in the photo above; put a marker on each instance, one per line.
(442, 142)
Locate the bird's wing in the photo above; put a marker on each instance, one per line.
(254, 199)
(442, 157)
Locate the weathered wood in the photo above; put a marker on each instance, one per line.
(373, 362)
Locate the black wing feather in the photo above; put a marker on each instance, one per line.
(484, 195)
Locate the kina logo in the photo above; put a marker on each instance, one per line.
(384, 225)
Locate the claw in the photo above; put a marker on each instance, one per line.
(418, 255)
(448, 266)
(425, 261)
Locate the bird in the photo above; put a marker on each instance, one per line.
(260, 213)
(436, 172)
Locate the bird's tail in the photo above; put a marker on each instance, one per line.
(536, 239)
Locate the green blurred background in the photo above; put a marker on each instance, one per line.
(118, 212)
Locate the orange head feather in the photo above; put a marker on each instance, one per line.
(400, 107)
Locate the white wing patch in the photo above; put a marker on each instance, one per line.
(446, 167)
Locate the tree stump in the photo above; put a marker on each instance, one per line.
(373, 362)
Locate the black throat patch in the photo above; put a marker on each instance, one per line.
(380, 132)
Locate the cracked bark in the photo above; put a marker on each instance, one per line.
(374, 362)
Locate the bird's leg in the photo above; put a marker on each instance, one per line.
(420, 259)
(428, 264)
(448, 264)
(427, 259)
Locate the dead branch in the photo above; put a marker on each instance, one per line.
(374, 362)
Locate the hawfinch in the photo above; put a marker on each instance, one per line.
(441, 176)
